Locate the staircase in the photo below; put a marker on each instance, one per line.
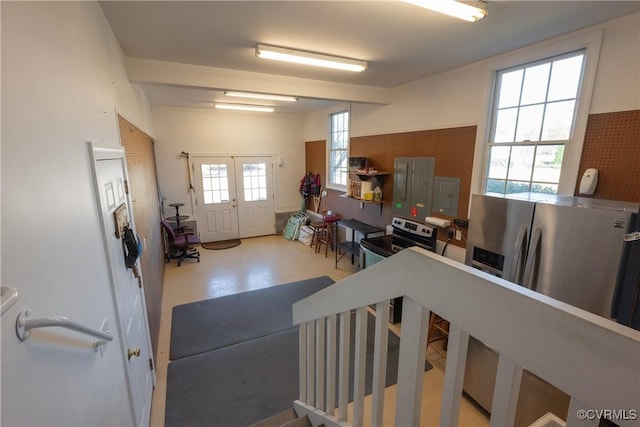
(567, 347)
(287, 418)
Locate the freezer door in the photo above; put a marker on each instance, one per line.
(574, 255)
(498, 235)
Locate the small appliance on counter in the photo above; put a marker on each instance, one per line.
(405, 234)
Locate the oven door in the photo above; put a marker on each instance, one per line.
(371, 256)
(375, 250)
(381, 245)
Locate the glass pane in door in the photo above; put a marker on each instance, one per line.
(215, 183)
(254, 181)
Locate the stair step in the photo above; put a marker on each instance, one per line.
(298, 422)
(286, 418)
(277, 420)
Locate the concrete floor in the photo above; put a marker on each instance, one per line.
(270, 261)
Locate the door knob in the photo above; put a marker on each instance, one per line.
(133, 352)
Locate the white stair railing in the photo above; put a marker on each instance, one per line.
(24, 324)
(592, 359)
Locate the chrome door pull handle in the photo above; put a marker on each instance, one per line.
(519, 256)
(532, 258)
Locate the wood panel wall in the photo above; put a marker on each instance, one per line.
(612, 145)
(143, 188)
(315, 162)
(452, 148)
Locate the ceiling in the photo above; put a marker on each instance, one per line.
(400, 42)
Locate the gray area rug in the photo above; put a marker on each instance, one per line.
(250, 372)
(247, 382)
(236, 385)
(215, 323)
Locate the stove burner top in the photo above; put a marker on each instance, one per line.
(406, 233)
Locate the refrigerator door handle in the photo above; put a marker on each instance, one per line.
(519, 256)
(532, 258)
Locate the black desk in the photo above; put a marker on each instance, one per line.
(352, 247)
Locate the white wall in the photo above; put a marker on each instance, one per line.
(460, 97)
(62, 81)
(617, 86)
(455, 98)
(213, 132)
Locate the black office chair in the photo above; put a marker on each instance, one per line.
(181, 242)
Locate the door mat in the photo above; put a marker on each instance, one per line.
(223, 244)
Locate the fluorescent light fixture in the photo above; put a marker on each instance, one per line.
(309, 58)
(242, 107)
(262, 96)
(469, 11)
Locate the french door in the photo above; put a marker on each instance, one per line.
(256, 208)
(234, 197)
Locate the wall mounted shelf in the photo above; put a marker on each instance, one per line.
(365, 176)
(363, 202)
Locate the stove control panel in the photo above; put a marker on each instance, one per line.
(412, 227)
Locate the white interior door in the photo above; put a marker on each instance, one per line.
(216, 207)
(256, 212)
(128, 291)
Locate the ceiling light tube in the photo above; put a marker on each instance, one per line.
(309, 58)
(471, 11)
(242, 107)
(262, 96)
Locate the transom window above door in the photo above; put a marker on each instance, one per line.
(215, 183)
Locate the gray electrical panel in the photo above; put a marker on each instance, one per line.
(413, 186)
(445, 196)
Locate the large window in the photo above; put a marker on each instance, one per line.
(338, 149)
(532, 122)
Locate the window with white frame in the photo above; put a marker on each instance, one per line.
(532, 123)
(338, 149)
(215, 183)
(254, 182)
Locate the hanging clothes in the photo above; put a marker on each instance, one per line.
(310, 185)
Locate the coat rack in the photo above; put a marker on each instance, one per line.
(189, 171)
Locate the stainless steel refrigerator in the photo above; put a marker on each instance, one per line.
(568, 248)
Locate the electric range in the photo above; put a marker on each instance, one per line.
(405, 234)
